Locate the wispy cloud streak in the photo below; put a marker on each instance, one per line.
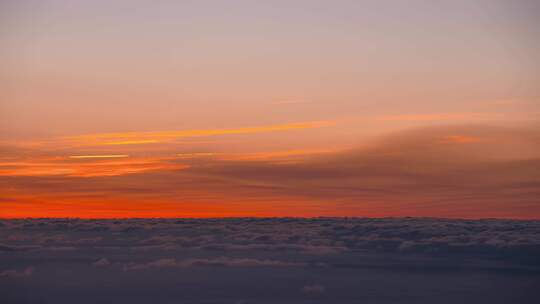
(161, 136)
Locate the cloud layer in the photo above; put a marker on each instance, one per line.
(285, 260)
(466, 171)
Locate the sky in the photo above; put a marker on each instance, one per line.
(269, 108)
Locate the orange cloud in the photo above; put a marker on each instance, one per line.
(127, 138)
(460, 139)
(195, 155)
(100, 156)
(278, 155)
(92, 166)
(133, 142)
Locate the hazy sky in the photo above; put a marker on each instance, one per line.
(210, 108)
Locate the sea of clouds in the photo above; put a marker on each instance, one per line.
(279, 260)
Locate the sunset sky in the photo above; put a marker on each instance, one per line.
(269, 108)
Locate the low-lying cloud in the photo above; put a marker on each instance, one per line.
(214, 262)
(13, 273)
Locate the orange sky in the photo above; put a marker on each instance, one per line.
(311, 108)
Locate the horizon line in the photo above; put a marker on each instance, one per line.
(270, 217)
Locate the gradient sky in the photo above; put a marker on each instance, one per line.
(269, 108)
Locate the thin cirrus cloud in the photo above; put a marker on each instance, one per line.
(88, 166)
(297, 154)
(132, 142)
(128, 138)
(27, 158)
(99, 156)
(45, 158)
(460, 139)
